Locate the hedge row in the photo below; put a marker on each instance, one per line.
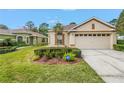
(120, 41)
(7, 49)
(7, 42)
(118, 47)
(57, 52)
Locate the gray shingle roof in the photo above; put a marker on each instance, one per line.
(6, 32)
(68, 27)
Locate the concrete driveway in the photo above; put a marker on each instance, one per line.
(109, 64)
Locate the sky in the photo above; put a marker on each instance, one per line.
(16, 18)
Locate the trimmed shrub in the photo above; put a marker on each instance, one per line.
(20, 44)
(69, 57)
(57, 52)
(118, 47)
(7, 49)
(8, 42)
(77, 52)
(1, 42)
(41, 44)
(120, 41)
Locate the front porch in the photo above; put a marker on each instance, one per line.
(61, 39)
(31, 40)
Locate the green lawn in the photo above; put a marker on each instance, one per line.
(18, 67)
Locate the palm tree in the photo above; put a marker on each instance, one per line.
(58, 27)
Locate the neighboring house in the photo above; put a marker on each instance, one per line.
(23, 35)
(120, 37)
(92, 34)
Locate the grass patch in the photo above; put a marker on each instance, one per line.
(18, 67)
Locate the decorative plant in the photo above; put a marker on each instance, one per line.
(69, 57)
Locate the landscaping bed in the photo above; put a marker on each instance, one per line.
(53, 55)
(45, 60)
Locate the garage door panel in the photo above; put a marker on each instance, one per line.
(93, 42)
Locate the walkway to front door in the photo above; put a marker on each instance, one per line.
(109, 64)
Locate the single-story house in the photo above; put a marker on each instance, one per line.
(23, 35)
(91, 34)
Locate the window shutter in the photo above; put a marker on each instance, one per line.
(55, 38)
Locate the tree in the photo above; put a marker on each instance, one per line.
(120, 22)
(30, 25)
(35, 29)
(113, 22)
(43, 28)
(72, 23)
(2, 26)
(58, 27)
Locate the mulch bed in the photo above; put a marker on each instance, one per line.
(45, 60)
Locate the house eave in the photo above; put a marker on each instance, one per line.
(7, 34)
(91, 31)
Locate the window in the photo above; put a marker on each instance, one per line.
(98, 34)
(59, 33)
(43, 39)
(108, 34)
(90, 34)
(76, 34)
(103, 34)
(59, 42)
(85, 34)
(93, 26)
(81, 34)
(94, 34)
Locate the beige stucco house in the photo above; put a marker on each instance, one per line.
(23, 35)
(91, 34)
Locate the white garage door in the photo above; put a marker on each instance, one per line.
(92, 41)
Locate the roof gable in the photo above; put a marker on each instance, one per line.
(100, 25)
